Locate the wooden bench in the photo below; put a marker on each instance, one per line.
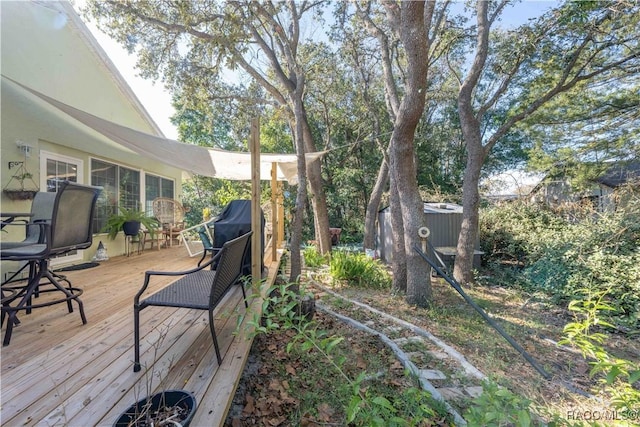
(201, 288)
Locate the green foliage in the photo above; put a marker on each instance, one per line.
(565, 252)
(212, 193)
(411, 408)
(617, 375)
(359, 270)
(313, 258)
(367, 405)
(116, 221)
(497, 406)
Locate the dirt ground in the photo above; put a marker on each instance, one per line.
(534, 323)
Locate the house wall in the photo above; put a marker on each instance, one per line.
(46, 47)
(555, 193)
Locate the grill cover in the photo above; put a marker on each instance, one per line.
(234, 221)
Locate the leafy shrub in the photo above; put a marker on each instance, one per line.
(497, 406)
(414, 407)
(617, 375)
(313, 258)
(366, 402)
(357, 269)
(562, 254)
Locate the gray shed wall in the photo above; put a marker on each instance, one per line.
(443, 219)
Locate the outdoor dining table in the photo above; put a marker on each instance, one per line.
(8, 218)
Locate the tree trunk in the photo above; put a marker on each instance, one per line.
(463, 268)
(373, 206)
(301, 194)
(399, 261)
(403, 168)
(318, 196)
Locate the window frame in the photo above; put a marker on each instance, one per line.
(141, 201)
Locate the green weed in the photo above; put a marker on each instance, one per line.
(359, 270)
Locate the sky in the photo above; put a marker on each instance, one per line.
(157, 100)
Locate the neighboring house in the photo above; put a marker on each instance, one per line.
(599, 193)
(46, 47)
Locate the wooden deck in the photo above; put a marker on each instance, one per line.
(58, 372)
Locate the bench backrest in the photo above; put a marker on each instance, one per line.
(229, 267)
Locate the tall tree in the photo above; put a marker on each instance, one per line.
(191, 45)
(414, 27)
(366, 61)
(387, 34)
(526, 69)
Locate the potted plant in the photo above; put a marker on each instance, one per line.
(166, 408)
(129, 221)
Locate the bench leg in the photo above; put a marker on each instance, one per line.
(215, 339)
(136, 338)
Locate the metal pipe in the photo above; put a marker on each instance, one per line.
(484, 315)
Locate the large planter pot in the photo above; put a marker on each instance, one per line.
(131, 228)
(178, 404)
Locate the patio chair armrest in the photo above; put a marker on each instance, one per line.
(149, 273)
(43, 226)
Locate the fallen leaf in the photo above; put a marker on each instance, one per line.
(276, 421)
(249, 408)
(290, 369)
(325, 412)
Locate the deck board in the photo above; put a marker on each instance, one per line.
(58, 372)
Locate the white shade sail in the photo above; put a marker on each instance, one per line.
(194, 159)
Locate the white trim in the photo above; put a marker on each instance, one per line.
(47, 155)
(44, 155)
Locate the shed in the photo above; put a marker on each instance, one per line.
(444, 220)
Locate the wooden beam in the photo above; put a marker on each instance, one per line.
(256, 219)
(274, 211)
(280, 214)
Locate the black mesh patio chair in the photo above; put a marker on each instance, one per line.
(69, 229)
(41, 211)
(200, 288)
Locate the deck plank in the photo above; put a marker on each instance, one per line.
(57, 371)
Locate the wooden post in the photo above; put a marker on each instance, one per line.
(280, 214)
(274, 211)
(256, 220)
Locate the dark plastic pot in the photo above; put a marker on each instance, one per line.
(167, 398)
(131, 228)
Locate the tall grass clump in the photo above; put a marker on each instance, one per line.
(357, 269)
(566, 253)
(313, 258)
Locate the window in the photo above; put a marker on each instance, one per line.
(156, 186)
(129, 188)
(120, 187)
(104, 175)
(123, 187)
(58, 171)
(55, 169)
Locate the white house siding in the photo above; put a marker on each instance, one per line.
(46, 47)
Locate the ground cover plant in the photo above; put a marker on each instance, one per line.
(585, 337)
